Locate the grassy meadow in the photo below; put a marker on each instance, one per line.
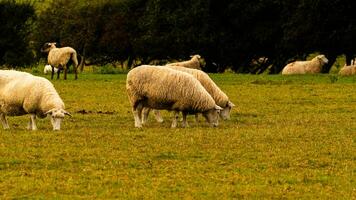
(289, 137)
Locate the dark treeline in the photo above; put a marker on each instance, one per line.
(226, 33)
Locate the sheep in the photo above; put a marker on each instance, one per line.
(48, 68)
(59, 57)
(348, 70)
(305, 67)
(193, 63)
(220, 98)
(163, 88)
(22, 93)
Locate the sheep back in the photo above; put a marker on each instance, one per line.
(60, 56)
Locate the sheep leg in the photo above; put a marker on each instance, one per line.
(4, 122)
(75, 72)
(32, 123)
(137, 112)
(175, 119)
(158, 116)
(146, 112)
(52, 73)
(196, 118)
(65, 72)
(185, 123)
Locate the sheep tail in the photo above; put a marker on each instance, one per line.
(75, 59)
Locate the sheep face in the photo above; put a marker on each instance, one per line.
(322, 59)
(212, 116)
(48, 46)
(225, 112)
(57, 116)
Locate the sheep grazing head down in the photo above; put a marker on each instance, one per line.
(48, 46)
(212, 115)
(57, 116)
(322, 59)
(225, 112)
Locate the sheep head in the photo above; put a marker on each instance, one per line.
(225, 112)
(48, 46)
(212, 115)
(322, 59)
(57, 116)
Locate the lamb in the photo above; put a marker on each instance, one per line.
(22, 93)
(305, 67)
(48, 68)
(59, 57)
(348, 70)
(193, 63)
(163, 88)
(220, 98)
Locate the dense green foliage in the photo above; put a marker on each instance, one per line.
(289, 138)
(226, 33)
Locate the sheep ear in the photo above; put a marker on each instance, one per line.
(49, 112)
(67, 113)
(218, 107)
(230, 104)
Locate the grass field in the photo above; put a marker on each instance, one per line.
(289, 137)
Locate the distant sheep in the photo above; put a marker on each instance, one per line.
(59, 57)
(193, 63)
(164, 88)
(306, 67)
(348, 70)
(220, 98)
(22, 93)
(48, 68)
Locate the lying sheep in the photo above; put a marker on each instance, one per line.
(163, 88)
(59, 57)
(22, 93)
(220, 98)
(348, 70)
(48, 68)
(193, 63)
(305, 67)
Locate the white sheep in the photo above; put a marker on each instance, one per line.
(59, 57)
(193, 63)
(22, 93)
(48, 68)
(163, 88)
(220, 98)
(305, 67)
(348, 70)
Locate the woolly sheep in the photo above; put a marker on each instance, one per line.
(163, 88)
(48, 68)
(220, 98)
(59, 57)
(193, 63)
(22, 93)
(348, 70)
(305, 67)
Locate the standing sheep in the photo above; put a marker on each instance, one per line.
(220, 98)
(193, 63)
(348, 70)
(22, 93)
(48, 68)
(163, 88)
(59, 57)
(305, 67)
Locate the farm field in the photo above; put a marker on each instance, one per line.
(289, 137)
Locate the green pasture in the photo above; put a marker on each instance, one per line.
(290, 137)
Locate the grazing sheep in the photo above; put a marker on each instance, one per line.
(220, 98)
(193, 63)
(305, 67)
(163, 88)
(348, 70)
(22, 93)
(48, 68)
(59, 57)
